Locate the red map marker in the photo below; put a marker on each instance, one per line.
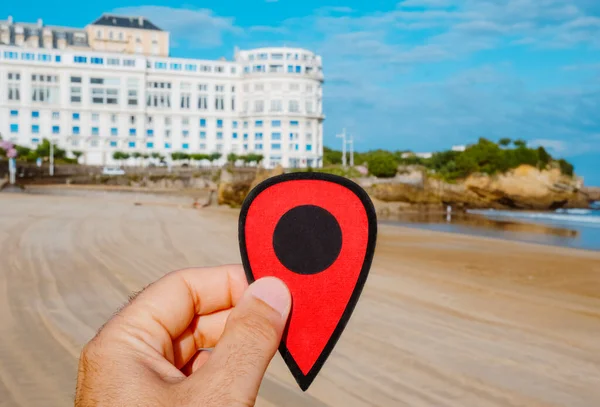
(317, 233)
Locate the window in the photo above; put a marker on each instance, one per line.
(75, 94)
(132, 92)
(55, 115)
(35, 128)
(293, 106)
(131, 144)
(219, 147)
(75, 130)
(95, 117)
(245, 125)
(113, 143)
(185, 100)
(158, 94)
(80, 60)
(276, 146)
(309, 106)
(114, 131)
(14, 86)
(202, 122)
(276, 123)
(167, 121)
(202, 102)
(234, 124)
(191, 67)
(149, 144)
(275, 136)
(219, 123)
(57, 58)
(258, 136)
(160, 65)
(259, 87)
(258, 123)
(167, 145)
(44, 88)
(75, 116)
(14, 128)
(97, 61)
(129, 62)
(259, 106)
(113, 61)
(175, 66)
(35, 140)
(290, 69)
(132, 132)
(234, 136)
(258, 146)
(245, 136)
(14, 113)
(308, 147)
(219, 135)
(185, 133)
(95, 131)
(55, 129)
(202, 135)
(219, 103)
(185, 146)
(202, 146)
(150, 132)
(276, 56)
(294, 86)
(105, 90)
(294, 123)
(167, 133)
(298, 69)
(28, 56)
(11, 55)
(45, 57)
(35, 114)
(113, 118)
(276, 106)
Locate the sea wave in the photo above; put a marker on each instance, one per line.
(589, 217)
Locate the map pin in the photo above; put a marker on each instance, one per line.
(316, 232)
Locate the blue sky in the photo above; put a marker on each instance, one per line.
(417, 74)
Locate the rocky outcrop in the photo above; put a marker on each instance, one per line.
(525, 187)
(233, 188)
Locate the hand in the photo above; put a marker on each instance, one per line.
(151, 352)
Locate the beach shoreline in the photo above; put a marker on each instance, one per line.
(445, 319)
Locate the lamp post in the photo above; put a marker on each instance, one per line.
(51, 158)
(343, 137)
(351, 143)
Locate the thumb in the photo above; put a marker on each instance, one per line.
(251, 337)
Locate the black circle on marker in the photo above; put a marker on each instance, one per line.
(307, 239)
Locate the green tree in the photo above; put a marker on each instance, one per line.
(214, 157)
(331, 157)
(520, 143)
(382, 164)
(505, 142)
(565, 167)
(543, 158)
(232, 158)
(77, 154)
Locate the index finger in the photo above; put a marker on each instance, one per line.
(171, 303)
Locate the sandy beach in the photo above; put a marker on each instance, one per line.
(445, 320)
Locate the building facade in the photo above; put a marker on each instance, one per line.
(108, 92)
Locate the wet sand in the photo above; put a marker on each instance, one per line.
(445, 319)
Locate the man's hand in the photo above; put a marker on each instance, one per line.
(151, 352)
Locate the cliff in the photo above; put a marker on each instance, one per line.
(525, 187)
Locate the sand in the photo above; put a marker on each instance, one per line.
(445, 320)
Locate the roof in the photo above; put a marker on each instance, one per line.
(139, 23)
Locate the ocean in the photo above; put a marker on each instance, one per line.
(576, 228)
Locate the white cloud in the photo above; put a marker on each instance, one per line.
(194, 28)
(425, 3)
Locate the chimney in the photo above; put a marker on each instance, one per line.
(40, 23)
(10, 20)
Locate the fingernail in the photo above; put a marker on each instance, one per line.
(273, 292)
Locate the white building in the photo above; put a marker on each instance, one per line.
(266, 101)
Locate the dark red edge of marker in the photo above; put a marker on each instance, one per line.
(304, 381)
